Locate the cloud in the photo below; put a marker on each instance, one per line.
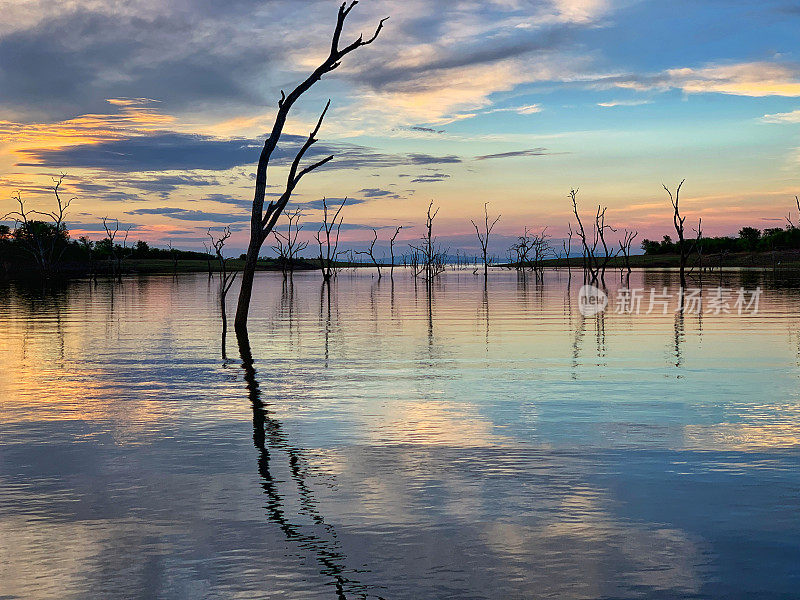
(98, 226)
(378, 193)
(335, 202)
(431, 178)
(183, 214)
(160, 151)
(528, 109)
(515, 154)
(787, 117)
(427, 159)
(175, 151)
(165, 184)
(92, 51)
(615, 103)
(426, 129)
(754, 79)
(226, 199)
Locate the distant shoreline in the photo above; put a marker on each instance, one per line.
(783, 260)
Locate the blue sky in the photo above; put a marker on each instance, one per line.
(156, 111)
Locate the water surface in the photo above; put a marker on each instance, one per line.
(465, 443)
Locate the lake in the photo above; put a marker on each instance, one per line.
(393, 443)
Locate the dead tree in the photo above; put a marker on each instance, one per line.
(521, 249)
(226, 278)
(678, 221)
(698, 247)
(123, 251)
(208, 257)
(541, 251)
(789, 216)
(371, 252)
(430, 255)
(45, 242)
(111, 235)
(262, 221)
(483, 237)
(625, 247)
(391, 249)
(328, 248)
(566, 244)
(413, 261)
(600, 237)
(288, 246)
(174, 255)
(589, 269)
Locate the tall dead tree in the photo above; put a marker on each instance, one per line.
(589, 269)
(371, 252)
(789, 216)
(328, 247)
(111, 235)
(288, 245)
(174, 254)
(625, 247)
(262, 221)
(391, 249)
(430, 255)
(600, 237)
(566, 244)
(483, 238)
(226, 278)
(678, 221)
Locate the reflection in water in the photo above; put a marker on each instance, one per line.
(268, 435)
(458, 441)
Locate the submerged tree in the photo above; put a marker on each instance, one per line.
(226, 278)
(391, 248)
(371, 252)
(678, 221)
(328, 246)
(593, 268)
(288, 246)
(483, 237)
(566, 244)
(262, 221)
(430, 257)
(625, 247)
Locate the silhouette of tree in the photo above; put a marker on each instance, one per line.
(371, 252)
(226, 278)
(483, 237)
(328, 249)
(625, 247)
(263, 220)
(288, 247)
(391, 248)
(678, 221)
(45, 242)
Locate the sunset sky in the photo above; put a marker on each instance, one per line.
(157, 110)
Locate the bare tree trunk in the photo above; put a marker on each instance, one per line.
(678, 221)
(483, 238)
(262, 222)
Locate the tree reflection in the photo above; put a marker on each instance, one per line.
(271, 441)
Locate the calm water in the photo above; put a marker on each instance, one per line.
(390, 445)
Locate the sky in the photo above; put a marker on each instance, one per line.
(156, 113)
